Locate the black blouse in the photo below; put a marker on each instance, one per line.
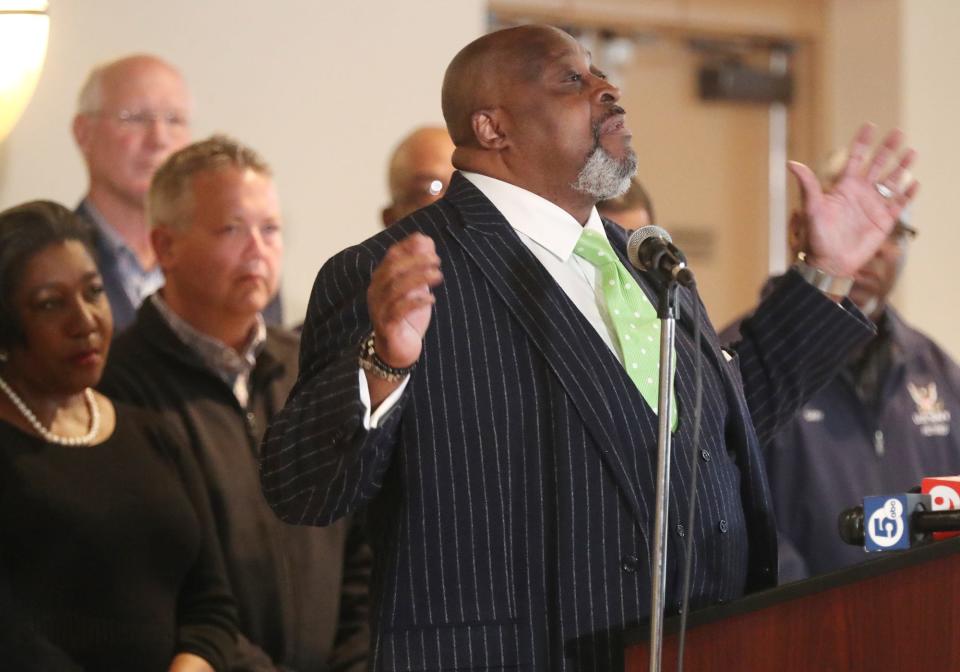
(108, 553)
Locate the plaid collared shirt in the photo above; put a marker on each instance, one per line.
(229, 365)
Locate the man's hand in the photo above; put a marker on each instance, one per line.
(399, 301)
(848, 222)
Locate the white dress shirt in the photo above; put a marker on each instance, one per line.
(550, 233)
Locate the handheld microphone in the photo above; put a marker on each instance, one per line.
(651, 249)
(894, 522)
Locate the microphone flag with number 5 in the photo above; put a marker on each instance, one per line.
(887, 523)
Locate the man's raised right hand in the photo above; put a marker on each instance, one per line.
(399, 299)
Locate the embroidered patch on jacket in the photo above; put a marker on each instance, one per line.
(931, 417)
(812, 415)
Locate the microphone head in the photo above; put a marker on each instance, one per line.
(850, 526)
(639, 237)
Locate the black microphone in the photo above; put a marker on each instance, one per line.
(921, 524)
(651, 249)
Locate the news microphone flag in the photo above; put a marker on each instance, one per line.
(887, 523)
(944, 492)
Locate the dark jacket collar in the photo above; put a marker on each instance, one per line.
(151, 328)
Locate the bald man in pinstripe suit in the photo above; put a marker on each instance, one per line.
(503, 456)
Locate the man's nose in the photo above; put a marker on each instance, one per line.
(606, 92)
(256, 241)
(159, 132)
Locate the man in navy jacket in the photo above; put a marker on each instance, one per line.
(886, 421)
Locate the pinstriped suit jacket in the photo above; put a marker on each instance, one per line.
(510, 491)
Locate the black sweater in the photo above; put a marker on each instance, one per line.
(300, 590)
(108, 553)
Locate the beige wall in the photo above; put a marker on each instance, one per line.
(861, 67)
(322, 89)
(930, 103)
(894, 62)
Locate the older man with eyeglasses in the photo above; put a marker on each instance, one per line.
(132, 113)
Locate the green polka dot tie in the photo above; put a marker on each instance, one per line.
(634, 318)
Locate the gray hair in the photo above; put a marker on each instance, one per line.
(603, 176)
(91, 93)
(90, 98)
(169, 195)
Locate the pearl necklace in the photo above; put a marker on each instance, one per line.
(49, 436)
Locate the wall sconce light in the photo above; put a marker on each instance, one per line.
(24, 27)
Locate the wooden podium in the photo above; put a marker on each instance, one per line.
(899, 612)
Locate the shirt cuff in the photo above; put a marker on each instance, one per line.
(372, 420)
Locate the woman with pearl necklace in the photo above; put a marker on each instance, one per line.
(108, 555)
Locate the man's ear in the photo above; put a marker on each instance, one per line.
(387, 216)
(82, 131)
(164, 243)
(488, 129)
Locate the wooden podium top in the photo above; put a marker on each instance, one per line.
(898, 612)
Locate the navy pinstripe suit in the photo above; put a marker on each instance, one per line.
(510, 492)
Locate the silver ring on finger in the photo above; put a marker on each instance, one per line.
(883, 190)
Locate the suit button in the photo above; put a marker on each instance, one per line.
(630, 563)
(723, 526)
(705, 454)
(680, 531)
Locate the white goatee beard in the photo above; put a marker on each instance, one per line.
(603, 176)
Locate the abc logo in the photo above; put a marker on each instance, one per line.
(944, 498)
(885, 526)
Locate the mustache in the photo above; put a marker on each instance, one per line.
(612, 111)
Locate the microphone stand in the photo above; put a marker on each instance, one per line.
(667, 312)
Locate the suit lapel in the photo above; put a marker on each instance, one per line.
(553, 323)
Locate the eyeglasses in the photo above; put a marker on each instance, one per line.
(903, 233)
(147, 118)
(423, 190)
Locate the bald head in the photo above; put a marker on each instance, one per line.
(527, 106)
(107, 78)
(480, 75)
(419, 171)
(424, 153)
(132, 114)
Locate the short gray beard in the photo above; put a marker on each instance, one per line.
(603, 176)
